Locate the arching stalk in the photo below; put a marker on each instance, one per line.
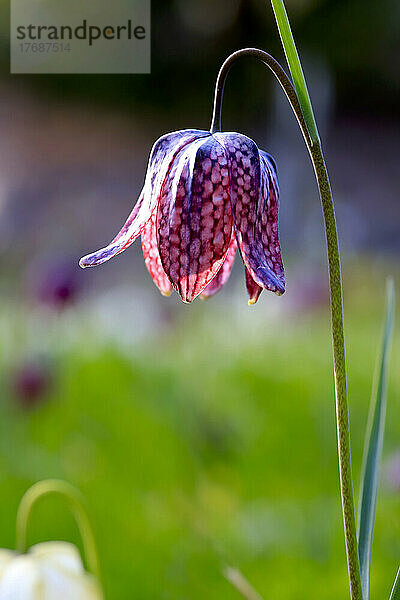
(336, 302)
(77, 506)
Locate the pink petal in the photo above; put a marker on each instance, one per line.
(223, 274)
(194, 221)
(253, 289)
(161, 157)
(152, 256)
(255, 203)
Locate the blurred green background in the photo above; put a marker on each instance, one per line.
(201, 435)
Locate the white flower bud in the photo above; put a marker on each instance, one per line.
(49, 571)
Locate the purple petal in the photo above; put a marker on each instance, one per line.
(255, 202)
(128, 234)
(223, 274)
(161, 157)
(194, 217)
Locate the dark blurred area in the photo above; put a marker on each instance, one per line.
(358, 41)
(74, 148)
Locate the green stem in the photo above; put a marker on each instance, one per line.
(280, 75)
(335, 283)
(342, 409)
(76, 504)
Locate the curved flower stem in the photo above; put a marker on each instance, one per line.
(76, 504)
(335, 283)
(279, 73)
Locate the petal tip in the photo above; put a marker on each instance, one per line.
(252, 301)
(187, 299)
(280, 288)
(82, 263)
(166, 294)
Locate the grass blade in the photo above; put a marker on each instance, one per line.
(373, 448)
(395, 594)
(295, 67)
(238, 580)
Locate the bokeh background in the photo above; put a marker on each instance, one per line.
(200, 435)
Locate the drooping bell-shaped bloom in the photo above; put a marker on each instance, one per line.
(205, 195)
(49, 571)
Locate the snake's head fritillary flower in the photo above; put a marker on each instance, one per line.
(49, 571)
(205, 195)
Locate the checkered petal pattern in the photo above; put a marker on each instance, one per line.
(205, 195)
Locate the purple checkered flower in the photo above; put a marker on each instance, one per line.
(204, 195)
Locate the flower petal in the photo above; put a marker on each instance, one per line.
(253, 289)
(268, 220)
(255, 203)
(61, 571)
(194, 220)
(161, 157)
(21, 579)
(223, 274)
(6, 556)
(128, 234)
(60, 555)
(152, 256)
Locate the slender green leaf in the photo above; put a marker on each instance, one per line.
(295, 67)
(395, 594)
(373, 448)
